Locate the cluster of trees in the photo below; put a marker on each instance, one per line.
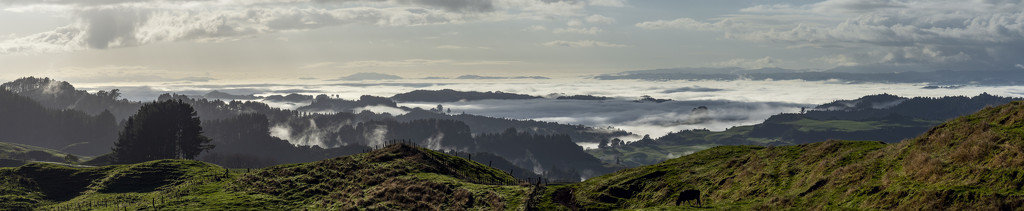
(161, 130)
(25, 121)
(244, 141)
(558, 156)
(62, 95)
(485, 124)
(327, 103)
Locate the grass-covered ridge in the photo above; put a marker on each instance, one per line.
(12, 154)
(399, 177)
(972, 162)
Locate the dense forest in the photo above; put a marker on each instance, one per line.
(62, 95)
(25, 121)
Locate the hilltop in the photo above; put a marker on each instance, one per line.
(971, 162)
(883, 117)
(399, 176)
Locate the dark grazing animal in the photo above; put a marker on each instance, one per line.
(687, 196)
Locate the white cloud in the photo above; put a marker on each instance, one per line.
(608, 3)
(449, 47)
(982, 34)
(124, 73)
(316, 65)
(535, 28)
(123, 23)
(681, 23)
(591, 30)
(574, 23)
(583, 43)
(600, 19)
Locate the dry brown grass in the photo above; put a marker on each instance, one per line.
(923, 167)
(1009, 156)
(975, 149)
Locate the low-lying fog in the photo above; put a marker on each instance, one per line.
(729, 103)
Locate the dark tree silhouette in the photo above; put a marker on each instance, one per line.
(25, 121)
(161, 130)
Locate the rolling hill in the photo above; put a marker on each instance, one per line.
(971, 162)
(399, 177)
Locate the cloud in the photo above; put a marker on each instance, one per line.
(600, 19)
(591, 30)
(316, 65)
(122, 23)
(932, 34)
(574, 23)
(123, 73)
(583, 43)
(608, 3)
(681, 23)
(102, 28)
(535, 28)
(449, 47)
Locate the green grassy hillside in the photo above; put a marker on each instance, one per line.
(397, 177)
(781, 131)
(972, 162)
(12, 154)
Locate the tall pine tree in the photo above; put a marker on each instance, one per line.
(161, 130)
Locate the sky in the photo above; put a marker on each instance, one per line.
(223, 41)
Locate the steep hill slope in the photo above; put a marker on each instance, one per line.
(972, 162)
(399, 177)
